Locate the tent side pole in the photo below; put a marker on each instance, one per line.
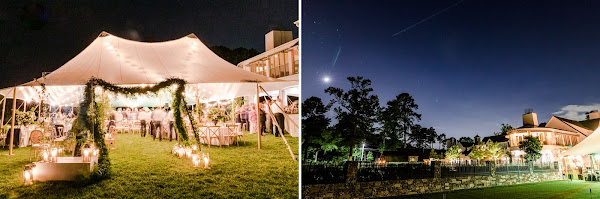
(2, 118)
(12, 127)
(258, 115)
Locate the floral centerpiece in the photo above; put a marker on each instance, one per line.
(216, 114)
(25, 117)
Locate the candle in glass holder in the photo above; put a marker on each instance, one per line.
(45, 155)
(194, 147)
(27, 176)
(86, 155)
(53, 153)
(206, 166)
(196, 160)
(180, 152)
(188, 152)
(175, 148)
(96, 152)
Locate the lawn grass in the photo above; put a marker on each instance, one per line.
(552, 189)
(143, 168)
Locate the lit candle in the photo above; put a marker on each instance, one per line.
(27, 175)
(206, 161)
(45, 155)
(96, 152)
(53, 153)
(188, 152)
(86, 154)
(180, 152)
(196, 160)
(194, 147)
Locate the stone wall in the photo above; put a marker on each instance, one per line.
(418, 186)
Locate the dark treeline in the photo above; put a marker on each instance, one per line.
(361, 119)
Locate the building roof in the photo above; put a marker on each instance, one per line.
(277, 49)
(573, 122)
(496, 138)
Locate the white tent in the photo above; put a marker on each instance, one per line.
(588, 146)
(126, 62)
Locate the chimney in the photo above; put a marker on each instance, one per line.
(276, 38)
(530, 118)
(594, 114)
(477, 139)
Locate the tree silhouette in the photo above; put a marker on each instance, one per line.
(356, 111)
(398, 118)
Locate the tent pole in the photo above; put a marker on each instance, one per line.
(12, 127)
(258, 115)
(2, 118)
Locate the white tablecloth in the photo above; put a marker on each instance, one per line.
(222, 132)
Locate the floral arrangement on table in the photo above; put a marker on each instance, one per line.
(292, 108)
(25, 117)
(215, 114)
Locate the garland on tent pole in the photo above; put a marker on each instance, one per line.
(90, 114)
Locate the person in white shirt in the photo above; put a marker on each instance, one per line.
(157, 116)
(278, 113)
(170, 119)
(143, 115)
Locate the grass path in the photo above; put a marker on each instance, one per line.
(143, 168)
(553, 189)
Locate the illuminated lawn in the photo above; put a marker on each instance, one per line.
(554, 189)
(143, 168)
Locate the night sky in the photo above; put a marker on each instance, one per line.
(470, 68)
(40, 37)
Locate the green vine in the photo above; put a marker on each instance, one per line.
(90, 117)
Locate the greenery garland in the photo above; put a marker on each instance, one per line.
(90, 117)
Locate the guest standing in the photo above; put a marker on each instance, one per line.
(143, 115)
(158, 116)
(170, 120)
(278, 113)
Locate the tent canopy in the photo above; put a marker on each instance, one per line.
(588, 146)
(126, 62)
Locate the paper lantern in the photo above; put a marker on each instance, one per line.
(29, 174)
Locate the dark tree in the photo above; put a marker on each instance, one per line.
(397, 119)
(314, 123)
(504, 129)
(532, 147)
(440, 138)
(466, 139)
(234, 56)
(356, 111)
(423, 137)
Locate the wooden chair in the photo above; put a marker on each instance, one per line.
(34, 139)
(231, 134)
(213, 133)
(111, 137)
(204, 135)
(238, 131)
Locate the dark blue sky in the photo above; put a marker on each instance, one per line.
(40, 36)
(470, 68)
